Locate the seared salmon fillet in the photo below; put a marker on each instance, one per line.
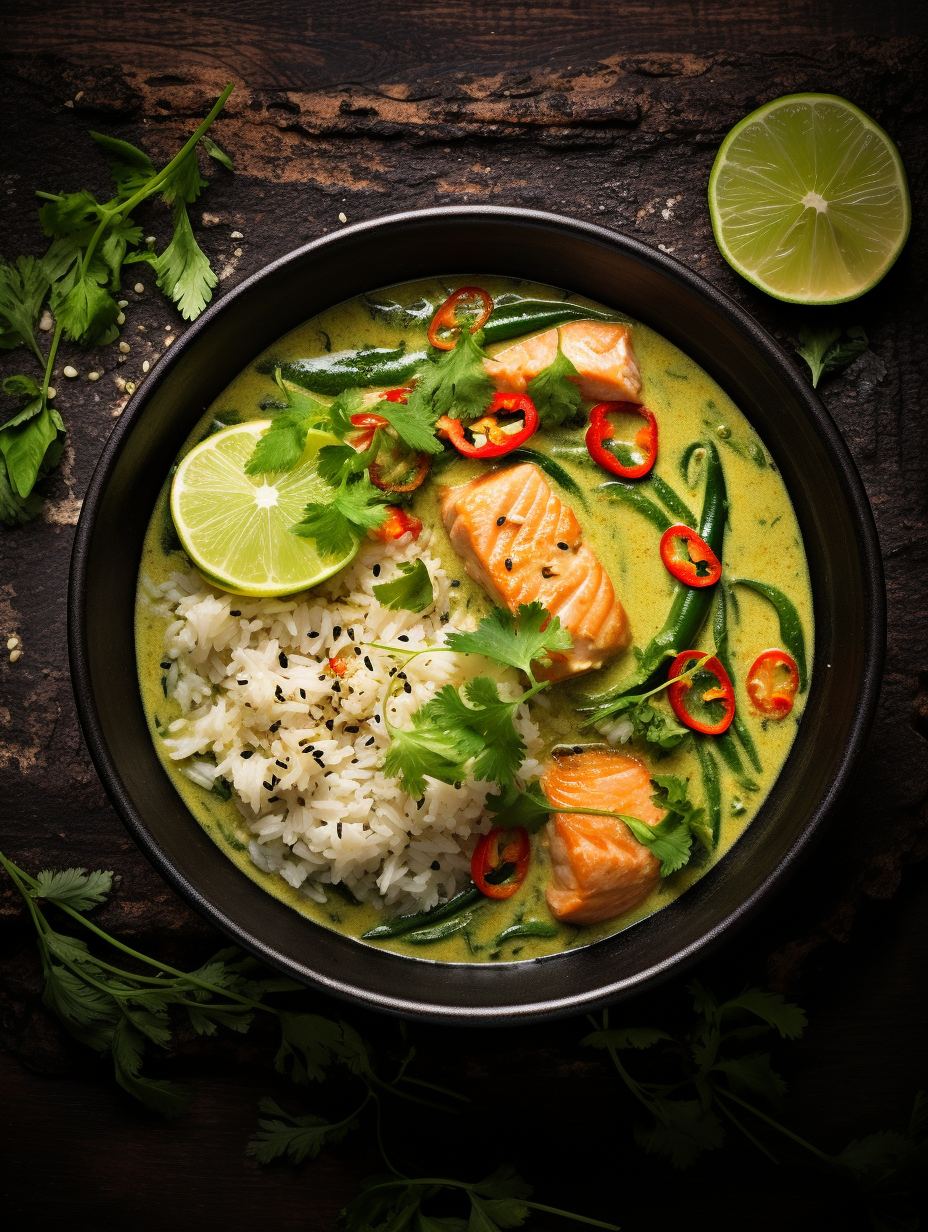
(522, 543)
(601, 351)
(600, 868)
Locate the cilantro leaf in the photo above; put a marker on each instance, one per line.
(669, 841)
(427, 750)
(183, 269)
(487, 716)
(823, 352)
(87, 312)
(16, 510)
(129, 166)
(415, 425)
(30, 442)
(22, 289)
(454, 384)
(648, 722)
(412, 591)
(183, 182)
(356, 506)
(555, 395)
(308, 1043)
(683, 1131)
(156, 1093)
(72, 214)
(215, 151)
(786, 1017)
(529, 808)
(516, 641)
(116, 239)
(75, 886)
(297, 1137)
(625, 1037)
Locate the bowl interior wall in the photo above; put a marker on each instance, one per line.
(829, 502)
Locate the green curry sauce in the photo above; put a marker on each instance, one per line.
(762, 541)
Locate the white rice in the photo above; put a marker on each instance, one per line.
(312, 791)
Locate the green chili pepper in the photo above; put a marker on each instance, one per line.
(550, 467)
(509, 320)
(528, 928)
(447, 928)
(332, 374)
(631, 494)
(685, 459)
(732, 759)
(723, 654)
(401, 924)
(665, 493)
(710, 785)
(790, 625)
(689, 606)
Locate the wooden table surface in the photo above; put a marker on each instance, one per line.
(599, 110)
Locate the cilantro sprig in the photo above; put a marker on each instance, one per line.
(78, 279)
(412, 591)
(555, 395)
(453, 383)
(355, 507)
(515, 640)
(824, 352)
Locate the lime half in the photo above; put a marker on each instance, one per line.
(808, 199)
(236, 527)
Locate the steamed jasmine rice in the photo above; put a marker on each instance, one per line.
(302, 747)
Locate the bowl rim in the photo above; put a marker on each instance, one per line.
(874, 601)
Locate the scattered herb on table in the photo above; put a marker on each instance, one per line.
(824, 350)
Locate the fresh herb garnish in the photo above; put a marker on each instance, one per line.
(453, 383)
(555, 395)
(413, 422)
(412, 591)
(78, 278)
(355, 507)
(824, 352)
(282, 445)
(515, 640)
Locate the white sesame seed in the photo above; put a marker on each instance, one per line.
(238, 252)
(12, 642)
(125, 348)
(145, 366)
(121, 319)
(52, 391)
(130, 387)
(139, 288)
(14, 655)
(78, 96)
(342, 218)
(70, 371)
(149, 239)
(47, 321)
(93, 376)
(236, 235)
(123, 303)
(168, 341)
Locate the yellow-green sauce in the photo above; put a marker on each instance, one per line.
(762, 541)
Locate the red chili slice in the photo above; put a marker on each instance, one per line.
(769, 690)
(498, 441)
(683, 551)
(602, 430)
(723, 693)
(367, 425)
(447, 316)
(419, 464)
(398, 395)
(337, 667)
(506, 858)
(397, 523)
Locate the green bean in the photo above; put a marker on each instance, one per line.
(790, 625)
(689, 606)
(447, 928)
(723, 654)
(551, 468)
(711, 786)
(665, 493)
(527, 928)
(730, 756)
(509, 320)
(631, 494)
(685, 458)
(332, 374)
(401, 924)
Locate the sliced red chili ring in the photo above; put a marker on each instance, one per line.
(398, 395)
(497, 440)
(396, 524)
(688, 557)
(722, 692)
(602, 430)
(417, 465)
(337, 667)
(500, 861)
(367, 425)
(769, 689)
(446, 318)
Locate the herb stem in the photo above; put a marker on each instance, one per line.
(747, 1133)
(50, 361)
(726, 1094)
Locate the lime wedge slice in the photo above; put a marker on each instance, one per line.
(808, 199)
(236, 527)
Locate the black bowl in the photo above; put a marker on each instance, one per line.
(840, 539)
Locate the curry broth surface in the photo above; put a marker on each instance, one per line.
(762, 541)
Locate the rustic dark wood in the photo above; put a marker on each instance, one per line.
(602, 111)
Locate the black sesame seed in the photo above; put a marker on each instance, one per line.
(282, 764)
(434, 866)
(235, 612)
(322, 677)
(351, 632)
(402, 638)
(309, 747)
(303, 694)
(392, 671)
(279, 693)
(455, 583)
(445, 616)
(337, 631)
(283, 660)
(301, 802)
(338, 828)
(354, 761)
(336, 687)
(268, 786)
(318, 754)
(367, 662)
(357, 650)
(330, 723)
(419, 803)
(457, 787)
(248, 753)
(376, 570)
(271, 799)
(327, 773)
(500, 521)
(314, 634)
(400, 675)
(578, 748)
(241, 682)
(376, 718)
(275, 726)
(508, 565)
(275, 779)
(370, 740)
(407, 687)
(352, 729)
(562, 546)
(166, 663)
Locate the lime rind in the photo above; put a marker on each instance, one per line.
(235, 527)
(808, 199)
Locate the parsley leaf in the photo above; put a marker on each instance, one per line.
(516, 641)
(22, 289)
(554, 394)
(412, 591)
(455, 383)
(824, 352)
(183, 269)
(336, 525)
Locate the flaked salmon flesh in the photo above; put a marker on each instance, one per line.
(600, 870)
(601, 351)
(521, 543)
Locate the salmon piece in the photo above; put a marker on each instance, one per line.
(601, 351)
(520, 542)
(600, 868)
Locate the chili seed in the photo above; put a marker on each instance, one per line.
(500, 521)
(508, 565)
(547, 572)
(562, 546)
